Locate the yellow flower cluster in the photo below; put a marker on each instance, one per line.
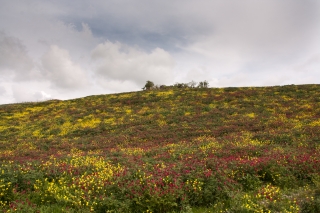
(195, 184)
(251, 115)
(5, 189)
(165, 93)
(315, 123)
(20, 115)
(270, 192)
(161, 122)
(142, 176)
(250, 205)
(89, 122)
(246, 140)
(212, 145)
(172, 147)
(133, 151)
(79, 190)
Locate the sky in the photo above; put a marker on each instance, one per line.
(63, 49)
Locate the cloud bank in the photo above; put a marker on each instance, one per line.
(61, 71)
(96, 47)
(14, 59)
(116, 61)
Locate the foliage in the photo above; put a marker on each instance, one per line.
(169, 150)
(149, 85)
(203, 84)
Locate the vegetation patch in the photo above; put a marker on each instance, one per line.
(181, 148)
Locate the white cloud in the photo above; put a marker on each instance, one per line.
(61, 71)
(198, 74)
(41, 95)
(119, 62)
(21, 94)
(116, 86)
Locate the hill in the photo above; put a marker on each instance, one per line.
(172, 150)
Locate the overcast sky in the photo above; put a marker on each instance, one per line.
(63, 49)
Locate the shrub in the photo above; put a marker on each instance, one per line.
(149, 85)
(203, 84)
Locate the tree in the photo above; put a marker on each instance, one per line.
(203, 84)
(179, 85)
(192, 84)
(149, 85)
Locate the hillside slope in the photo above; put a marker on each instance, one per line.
(198, 147)
(275, 114)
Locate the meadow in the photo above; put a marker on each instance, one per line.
(250, 149)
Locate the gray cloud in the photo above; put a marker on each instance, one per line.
(311, 64)
(61, 71)
(259, 33)
(14, 59)
(260, 22)
(2, 90)
(116, 61)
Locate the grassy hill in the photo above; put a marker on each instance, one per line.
(250, 149)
